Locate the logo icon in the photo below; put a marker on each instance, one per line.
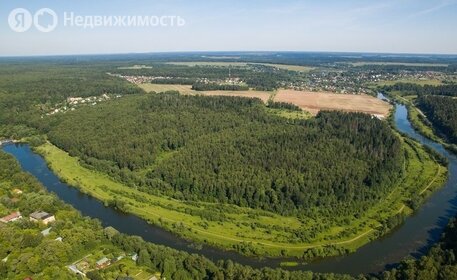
(20, 20)
(45, 12)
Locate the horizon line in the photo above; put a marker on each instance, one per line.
(228, 52)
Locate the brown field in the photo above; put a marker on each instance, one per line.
(184, 89)
(314, 102)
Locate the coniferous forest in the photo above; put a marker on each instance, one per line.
(230, 150)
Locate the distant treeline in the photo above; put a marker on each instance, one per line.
(415, 89)
(175, 81)
(216, 86)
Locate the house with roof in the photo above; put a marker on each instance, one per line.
(11, 217)
(102, 263)
(42, 217)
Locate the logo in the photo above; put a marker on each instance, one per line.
(21, 20)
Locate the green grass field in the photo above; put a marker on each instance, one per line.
(252, 232)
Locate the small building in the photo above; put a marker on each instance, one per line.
(135, 257)
(11, 217)
(60, 239)
(42, 217)
(104, 262)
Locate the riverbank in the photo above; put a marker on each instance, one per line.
(420, 121)
(182, 218)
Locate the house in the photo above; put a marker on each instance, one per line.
(11, 217)
(42, 217)
(135, 257)
(104, 262)
(60, 239)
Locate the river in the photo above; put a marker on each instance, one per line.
(414, 237)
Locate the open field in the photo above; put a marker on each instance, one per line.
(314, 102)
(185, 89)
(271, 235)
(297, 68)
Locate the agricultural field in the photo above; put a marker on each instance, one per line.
(187, 90)
(183, 89)
(314, 102)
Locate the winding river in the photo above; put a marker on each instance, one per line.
(414, 237)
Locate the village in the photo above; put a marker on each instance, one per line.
(101, 259)
(73, 103)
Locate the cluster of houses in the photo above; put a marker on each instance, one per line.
(38, 217)
(72, 103)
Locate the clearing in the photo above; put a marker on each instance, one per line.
(187, 90)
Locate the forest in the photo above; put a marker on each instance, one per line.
(442, 112)
(215, 86)
(23, 243)
(414, 89)
(28, 253)
(231, 150)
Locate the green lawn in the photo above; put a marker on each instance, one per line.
(264, 233)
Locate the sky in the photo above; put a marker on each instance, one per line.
(387, 26)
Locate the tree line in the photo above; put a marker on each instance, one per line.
(442, 112)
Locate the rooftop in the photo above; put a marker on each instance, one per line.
(11, 216)
(40, 215)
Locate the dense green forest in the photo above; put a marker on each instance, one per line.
(231, 150)
(27, 91)
(28, 253)
(442, 112)
(415, 89)
(216, 86)
(31, 254)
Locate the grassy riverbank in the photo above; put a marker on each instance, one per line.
(254, 232)
(419, 120)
